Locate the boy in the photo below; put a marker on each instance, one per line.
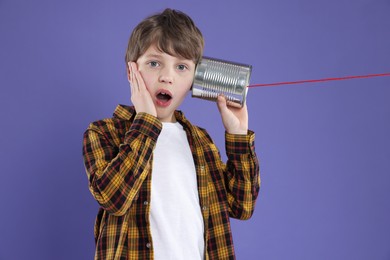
(163, 190)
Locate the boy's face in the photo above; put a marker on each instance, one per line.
(168, 80)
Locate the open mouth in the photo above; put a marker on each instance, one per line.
(163, 97)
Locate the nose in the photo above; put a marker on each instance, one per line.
(166, 76)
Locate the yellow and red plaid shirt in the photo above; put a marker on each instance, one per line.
(118, 155)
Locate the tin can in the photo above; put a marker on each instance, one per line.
(214, 77)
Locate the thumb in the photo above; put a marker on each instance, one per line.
(221, 102)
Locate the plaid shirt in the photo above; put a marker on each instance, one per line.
(118, 155)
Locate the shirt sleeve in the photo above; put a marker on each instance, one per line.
(242, 177)
(115, 173)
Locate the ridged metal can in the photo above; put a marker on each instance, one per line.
(214, 77)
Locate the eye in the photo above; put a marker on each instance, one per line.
(182, 67)
(153, 64)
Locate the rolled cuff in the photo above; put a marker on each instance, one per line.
(146, 124)
(240, 144)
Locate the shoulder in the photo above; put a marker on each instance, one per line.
(116, 125)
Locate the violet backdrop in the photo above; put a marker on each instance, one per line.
(324, 147)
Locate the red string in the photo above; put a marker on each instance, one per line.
(319, 80)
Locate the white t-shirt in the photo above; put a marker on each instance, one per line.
(175, 216)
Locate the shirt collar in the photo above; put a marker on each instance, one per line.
(128, 112)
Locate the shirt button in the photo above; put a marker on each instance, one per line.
(202, 168)
(204, 208)
(146, 202)
(148, 245)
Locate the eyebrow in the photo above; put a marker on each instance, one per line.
(156, 56)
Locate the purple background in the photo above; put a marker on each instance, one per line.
(324, 148)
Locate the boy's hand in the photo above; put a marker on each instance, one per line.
(140, 96)
(235, 120)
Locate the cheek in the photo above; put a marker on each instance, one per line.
(187, 81)
(186, 86)
(147, 77)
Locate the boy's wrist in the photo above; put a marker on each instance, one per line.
(237, 132)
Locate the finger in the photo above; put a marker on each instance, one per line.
(222, 103)
(138, 78)
(129, 71)
(133, 71)
(133, 82)
(135, 76)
